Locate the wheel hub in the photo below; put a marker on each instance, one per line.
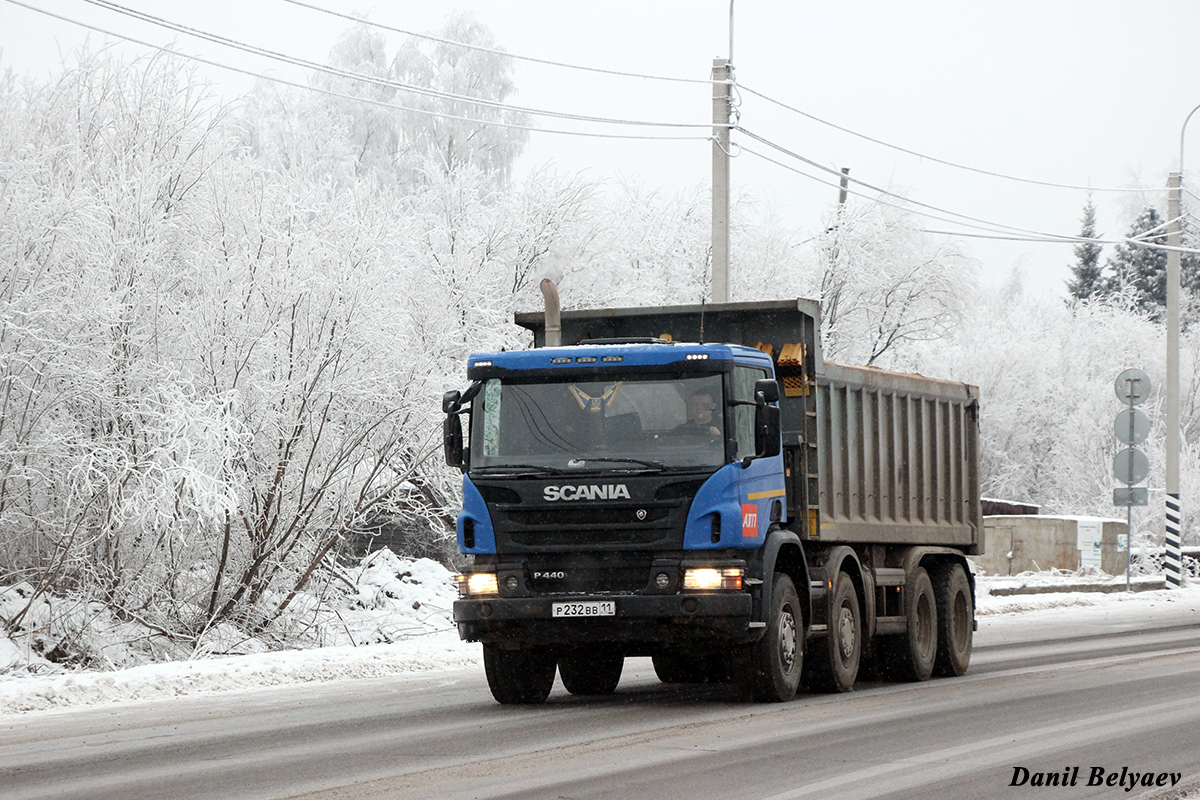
(787, 640)
(845, 625)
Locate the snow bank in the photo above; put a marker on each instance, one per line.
(179, 679)
(390, 615)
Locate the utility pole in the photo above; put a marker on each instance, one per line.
(722, 72)
(1173, 565)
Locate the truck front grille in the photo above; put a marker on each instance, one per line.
(590, 573)
(652, 521)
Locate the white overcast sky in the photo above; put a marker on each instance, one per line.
(1084, 93)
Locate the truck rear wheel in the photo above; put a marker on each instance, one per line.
(910, 656)
(769, 669)
(518, 677)
(832, 665)
(591, 671)
(956, 620)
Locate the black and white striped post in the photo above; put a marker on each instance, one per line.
(1173, 562)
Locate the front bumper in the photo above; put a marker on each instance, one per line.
(646, 620)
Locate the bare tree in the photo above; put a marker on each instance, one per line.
(883, 282)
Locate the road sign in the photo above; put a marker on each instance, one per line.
(1135, 433)
(1130, 466)
(1130, 496)
(1133, 386)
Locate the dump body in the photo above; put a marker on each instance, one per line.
(899, 459)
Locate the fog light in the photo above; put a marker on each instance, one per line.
(708, 579)
(511, 583)
(662, 580)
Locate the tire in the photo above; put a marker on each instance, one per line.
(518, 677)
(832, 665)
(769, 669)
(956, 620)
(591, 671)
(911, 656)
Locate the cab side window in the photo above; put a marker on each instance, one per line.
(743, 380)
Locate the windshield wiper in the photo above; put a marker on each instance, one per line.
(520, 468)
(655, 465)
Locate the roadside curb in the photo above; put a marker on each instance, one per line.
(1150, 584)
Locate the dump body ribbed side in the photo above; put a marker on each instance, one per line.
(897, 459)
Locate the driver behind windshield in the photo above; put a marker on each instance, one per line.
(701, 421)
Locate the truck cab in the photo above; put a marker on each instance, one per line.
(620, 494)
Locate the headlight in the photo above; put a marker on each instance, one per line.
(708, 579)
(476, 583)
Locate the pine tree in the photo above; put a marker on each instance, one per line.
(1138, 269)
(1086, 282)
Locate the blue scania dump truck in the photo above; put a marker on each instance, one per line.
(697, 485)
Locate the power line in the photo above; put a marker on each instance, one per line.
(934, 159)
(905, 204)
(531, 59)
(1135, 242)
(372, 79)
(991, 231)
(355, 98)
(988, 223)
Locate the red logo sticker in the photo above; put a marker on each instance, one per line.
(749, 520)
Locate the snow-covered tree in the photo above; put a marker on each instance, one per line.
(461, 135)
(883, 283)
(394, 134)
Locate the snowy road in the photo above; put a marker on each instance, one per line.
(1118, 692)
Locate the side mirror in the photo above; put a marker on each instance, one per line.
(452, 432)
(766, 421)
(768, 388)
(452, 440)
(766, 431)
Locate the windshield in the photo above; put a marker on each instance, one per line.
(643, 422)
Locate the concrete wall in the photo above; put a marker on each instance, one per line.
(1039, 543)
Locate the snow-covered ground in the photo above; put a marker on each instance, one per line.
(398, 621)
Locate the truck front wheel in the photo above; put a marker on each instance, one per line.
(769, 669)
(591, 671)
(910, 656)
(833, 663)
(518, 677)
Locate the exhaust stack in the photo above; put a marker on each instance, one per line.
(553, 313)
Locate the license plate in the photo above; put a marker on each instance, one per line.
(588, 608)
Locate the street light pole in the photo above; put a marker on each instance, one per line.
(1174, 539)
(1173, 563)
